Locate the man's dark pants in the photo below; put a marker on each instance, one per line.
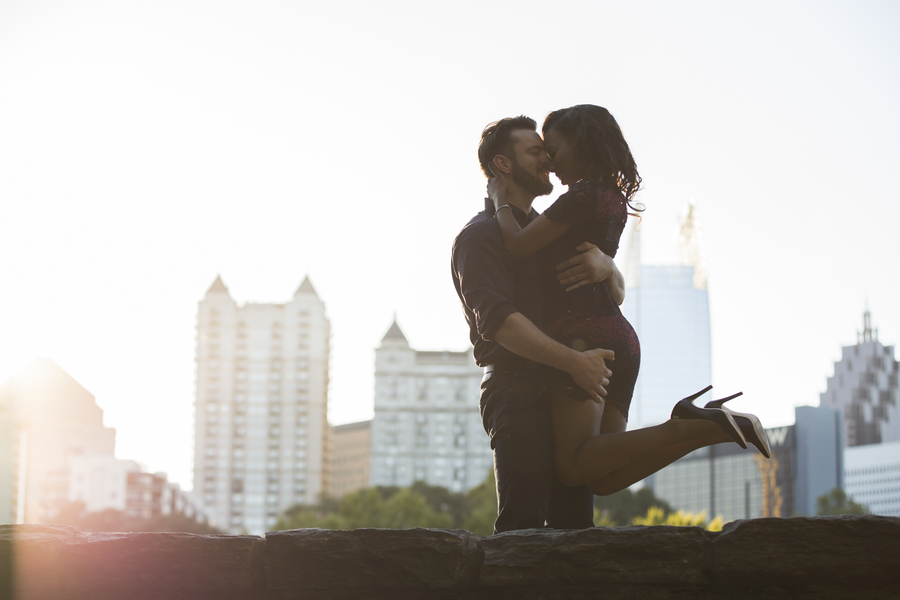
(515, 410)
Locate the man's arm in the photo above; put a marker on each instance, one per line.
(588, 369)
(483, 274)
(592, 266)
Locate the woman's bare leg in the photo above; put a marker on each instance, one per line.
(615, 455)
(618, 480)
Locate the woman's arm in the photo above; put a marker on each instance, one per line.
(521, 243)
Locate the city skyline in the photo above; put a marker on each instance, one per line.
(151, 148)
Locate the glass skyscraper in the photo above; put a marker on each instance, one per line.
(668, 306)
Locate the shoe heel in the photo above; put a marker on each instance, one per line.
(693, 397)
(721, 401)
(685, 409)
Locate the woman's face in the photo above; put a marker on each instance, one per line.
(562, 158)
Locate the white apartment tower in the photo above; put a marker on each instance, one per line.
(427, 426)
(261, 407)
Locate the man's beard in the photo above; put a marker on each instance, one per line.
(528, 182)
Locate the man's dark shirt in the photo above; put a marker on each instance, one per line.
(491, 285)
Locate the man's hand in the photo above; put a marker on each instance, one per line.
(590, 372)
(590, 266)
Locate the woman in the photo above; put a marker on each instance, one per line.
(589, 154)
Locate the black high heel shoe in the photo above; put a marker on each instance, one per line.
(750, 426)
(685, 409)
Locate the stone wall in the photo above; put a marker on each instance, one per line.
(824, 557)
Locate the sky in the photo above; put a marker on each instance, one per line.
(149, 146)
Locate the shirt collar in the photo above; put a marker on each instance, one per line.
(520, 215)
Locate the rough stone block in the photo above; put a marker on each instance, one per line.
(65, 560)
(316, 559)
(804, 551)
(628, 555)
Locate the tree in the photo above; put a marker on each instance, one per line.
(389, 508)
(75, 514)
(837, 502)
(420, 505)
(622, 507)
(482, 503)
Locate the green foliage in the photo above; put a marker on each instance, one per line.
(420, 505)
(657, 516)
(837, 502)
(74, 514)
(623, 507)
(482, 502)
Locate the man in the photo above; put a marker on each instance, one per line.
(501, 300)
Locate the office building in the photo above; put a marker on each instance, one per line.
(807, 461)
(106, 483)
(865, 387)
(427, 426)
(100, 482)
(48, 419)
(10, 466)
(351, 458)
(261, 406)
(872, 477)
(668, 306)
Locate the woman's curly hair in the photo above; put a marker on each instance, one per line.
(599, 144)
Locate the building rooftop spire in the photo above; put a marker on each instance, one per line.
(394, 332)
(217, 287)
(867, 335)
(690, 244)
(306, 288)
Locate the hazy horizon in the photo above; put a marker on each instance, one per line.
(151, 147)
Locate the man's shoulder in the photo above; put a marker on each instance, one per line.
(481, 226)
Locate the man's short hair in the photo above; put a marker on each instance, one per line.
(496, 139)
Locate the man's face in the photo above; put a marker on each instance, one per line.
(530, 163)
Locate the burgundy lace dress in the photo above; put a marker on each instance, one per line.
(589, 317)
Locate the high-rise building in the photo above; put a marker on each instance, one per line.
(427, 426)
(668, 306)
(50, 420)
(806, 462)
(10, 459)
(350, 457)
(261, 407)
(865, 387)
(872, 477)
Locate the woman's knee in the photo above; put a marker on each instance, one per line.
(567, 473)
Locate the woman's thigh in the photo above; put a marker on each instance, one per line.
(613, 419)
(573, 422)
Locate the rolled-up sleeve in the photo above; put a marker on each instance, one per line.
(484, 273)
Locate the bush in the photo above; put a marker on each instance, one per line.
(837, 502)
